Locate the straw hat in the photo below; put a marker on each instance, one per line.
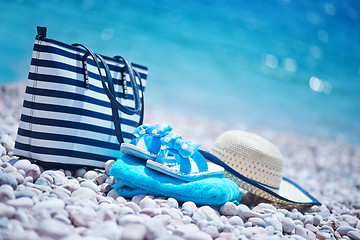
(256, 165)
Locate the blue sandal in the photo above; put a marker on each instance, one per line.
(181, 159)
(147, 142)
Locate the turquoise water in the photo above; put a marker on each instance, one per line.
(285, 64)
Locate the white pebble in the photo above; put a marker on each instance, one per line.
(90, 175)
(108, 230)
(91, 185)
(172, 203)
(22, 164)
(33, 171)
(147, 202)
(53, 228)
(108, 165)
(287, 224)
(84, 193)
(229, 209)
(24, 202)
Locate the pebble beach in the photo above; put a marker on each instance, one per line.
(60, 204)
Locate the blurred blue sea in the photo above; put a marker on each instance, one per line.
(286, 64)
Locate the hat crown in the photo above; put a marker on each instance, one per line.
(252, 156)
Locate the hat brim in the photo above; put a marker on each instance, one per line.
(289, 193)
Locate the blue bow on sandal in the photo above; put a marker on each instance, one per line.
(166, 152)
(182, 160)
(147, 143)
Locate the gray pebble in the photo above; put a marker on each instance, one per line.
(343, 230)
(354, 235)
(24, 193)
(80, 172)
(110, 180)
(43, 181)
(229, 209)
(6, 193)
(101, 178)
(6, 178)
(105, 188)
(113, 194)
(317, 220)
(288, 224)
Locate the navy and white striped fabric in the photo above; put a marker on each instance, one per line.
(62, 121)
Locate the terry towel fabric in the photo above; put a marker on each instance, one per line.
(133, 178)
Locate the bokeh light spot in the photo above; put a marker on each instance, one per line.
(271, 61)
(290, 65)
(107, 34)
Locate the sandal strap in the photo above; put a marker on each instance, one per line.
(151, 136)
(182, 151)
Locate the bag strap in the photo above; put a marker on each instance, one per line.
(110, 92)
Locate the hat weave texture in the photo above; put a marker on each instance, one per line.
(252, 156)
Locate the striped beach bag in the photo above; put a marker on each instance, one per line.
(79, 106)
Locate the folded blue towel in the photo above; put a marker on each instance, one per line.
(133, 178)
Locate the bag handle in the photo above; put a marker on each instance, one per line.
(110, 92)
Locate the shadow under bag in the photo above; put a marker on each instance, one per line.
(79, 106)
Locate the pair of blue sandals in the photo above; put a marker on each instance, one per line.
(168, 153)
